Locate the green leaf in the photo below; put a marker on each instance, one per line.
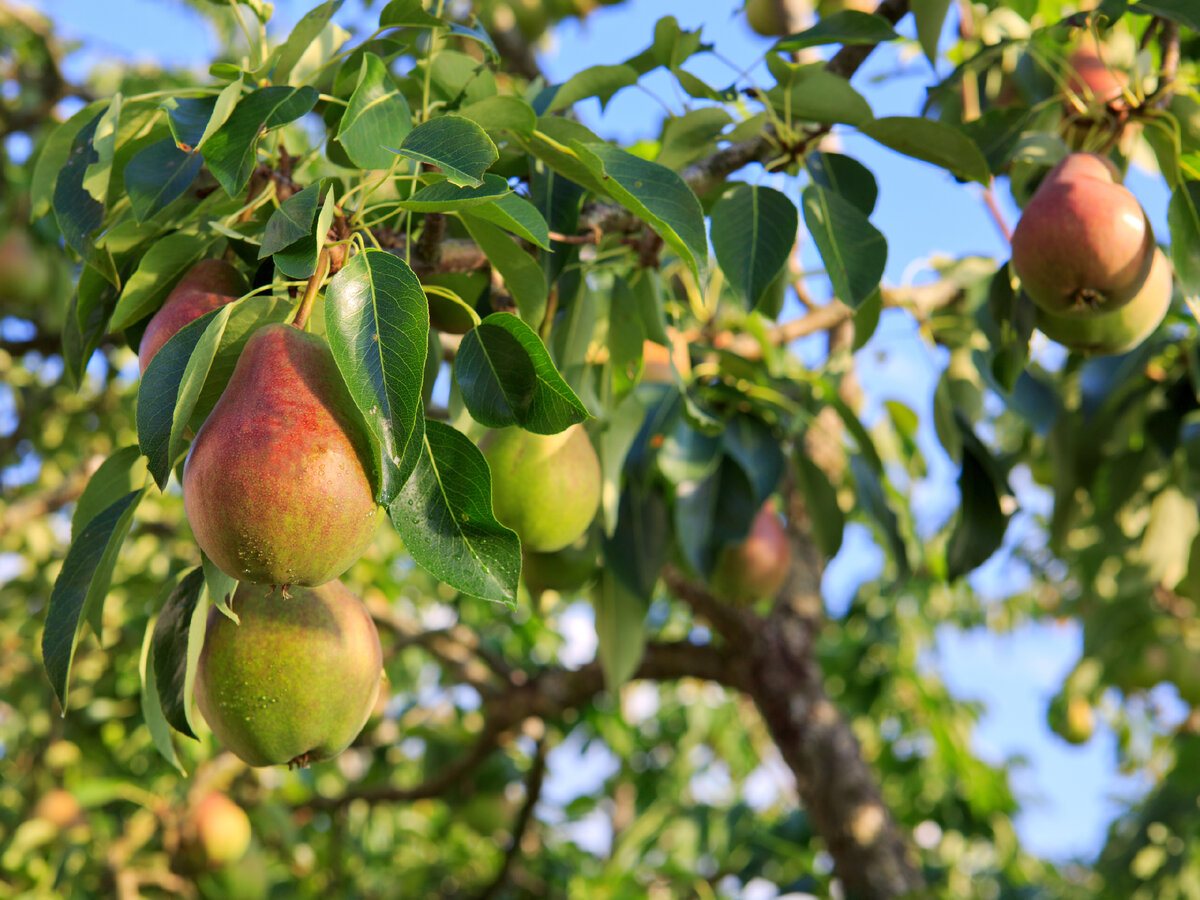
(169, 389)
(174, 653)
(377, 117)
(620, 629)
(559, 201)
(444, 516)
(814, 94)
(77, 212)
(193, 120)
(873, 501)
(594, 81)
(293, 221)
(930, 15)
(157, 175)
(117, 476)
(686, 138)
(522, 275)
(477, 34)
(654, 194)
(443, 196)
(515, 214)
(305, 32)
(459, 147)
(854, 250)
(158, 272)
(377, 322)
(230, 151)
(846, 27)
(641, 543)
(507, 378)
(104, 142)
(820, 501)
(551, 143)
(1184, 12)
(718, 510)
(1183, 217)
(407, 13)
(979, 531)
(753, 231)
(53, 156)
(220, 588)
(299, 259)
(934, 142)
(81, 586)
(160, 729)
(612, 446)
(751, 444)
(502, 113)
(844, 175)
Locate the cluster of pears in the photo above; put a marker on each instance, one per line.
(1085, 253)
(277, 492)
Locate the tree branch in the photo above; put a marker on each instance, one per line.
(533, 792)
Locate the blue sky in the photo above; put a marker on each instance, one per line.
(923, 212)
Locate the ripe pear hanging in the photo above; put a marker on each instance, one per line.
(276, 485)
(207, 285)
(294, 682)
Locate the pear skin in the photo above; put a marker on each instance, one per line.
(296, 681)
(276, 485)
(207, 285)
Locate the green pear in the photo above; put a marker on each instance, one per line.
(755, 568)
(569, 569)
(294, 682)
(207, 285)
(545, 487)
(1122, 329)
(1083, 245)
(276, 484)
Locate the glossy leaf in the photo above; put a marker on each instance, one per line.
(813, 93)
(979, 530)
(653, 193)
(81, 586)
(854, 250)
(230, 151)
(457, 146)
(522, 275)
(443, 196)
(846, 27)
(846, 176)
(305, 32)
(124, 471)
(54, 155)
(1184, 12)
(753, 231)
(157, 273)
(77, 212)
(444, 516)
(172, 651)
(158, 175)
(151, 704)
(377, 321)
(376, 118)
(934, 142)
(517, 215)
(507, 378)
(293, 221)
(502, 113)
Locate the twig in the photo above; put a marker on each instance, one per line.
(312, 289)
(533, 792)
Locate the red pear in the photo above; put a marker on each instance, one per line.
(206, 285)
(756, 567)
(275, 485)
(1083, 245)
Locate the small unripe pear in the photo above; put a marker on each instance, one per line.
(1092, 80)
(545, 487)
(220, 828)
(755, 568)
(276, 484)
(1122, 329)
(207, 285)
(1083, 244)
(294, 682)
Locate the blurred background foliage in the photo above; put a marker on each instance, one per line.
(667, 789)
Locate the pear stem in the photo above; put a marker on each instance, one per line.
(310, 291)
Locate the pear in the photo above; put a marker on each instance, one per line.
(207, 285)
(1083, 245)
(755, 568)
(294, 682)
(275, 486)
(545, 487)
(1122, 329)
(218, 830)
